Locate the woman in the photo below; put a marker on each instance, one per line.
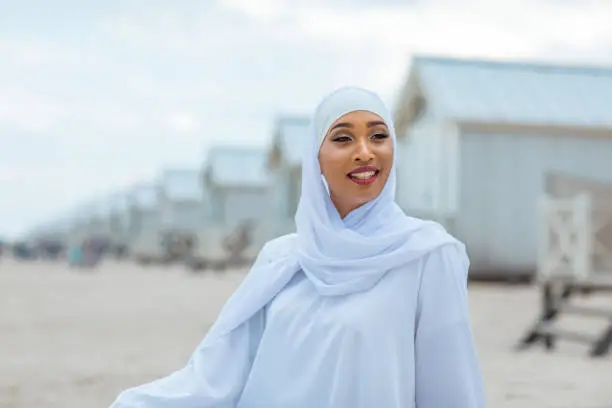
(363, 307)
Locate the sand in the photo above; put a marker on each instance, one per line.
(76, 339)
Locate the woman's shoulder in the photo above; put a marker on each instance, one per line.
(448, 262)
(278, 247)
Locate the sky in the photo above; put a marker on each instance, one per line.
(98, 95)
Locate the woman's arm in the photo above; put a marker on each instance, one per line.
(214, 376)
(447, 367)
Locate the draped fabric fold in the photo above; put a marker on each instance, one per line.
(339, 256)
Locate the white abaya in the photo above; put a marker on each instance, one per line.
(405, 343)
(365, 311)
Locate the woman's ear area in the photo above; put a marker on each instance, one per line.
(319, 157)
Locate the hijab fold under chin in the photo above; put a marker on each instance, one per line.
(339, 256)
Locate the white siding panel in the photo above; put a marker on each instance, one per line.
(502, 177)
(449, 162)
(428, 170)
(245, 204)
(415, 169)
(183, 216)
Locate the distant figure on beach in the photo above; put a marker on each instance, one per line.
(86, 254)
(95, 249)
(363, 307)
(75, 256)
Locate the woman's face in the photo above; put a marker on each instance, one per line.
(356, 157)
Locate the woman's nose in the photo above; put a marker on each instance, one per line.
(363, 152)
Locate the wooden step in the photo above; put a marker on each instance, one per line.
(586, 311)
(549, 330)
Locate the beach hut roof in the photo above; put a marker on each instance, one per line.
(515, 92)
(145, 196)
(291, 134)
(182, 184)
(237, 166)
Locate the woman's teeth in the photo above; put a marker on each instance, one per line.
(364, 176)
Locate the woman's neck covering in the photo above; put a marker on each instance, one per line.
(339, 256)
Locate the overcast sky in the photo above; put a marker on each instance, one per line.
(95, 95)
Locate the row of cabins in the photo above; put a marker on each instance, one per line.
(477, 141)
(189, 209)
(198, 209)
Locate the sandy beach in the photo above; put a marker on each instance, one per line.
(73, 339)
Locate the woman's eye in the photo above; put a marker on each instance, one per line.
(380, 136)
(341, 139)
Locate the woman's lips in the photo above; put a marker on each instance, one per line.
(364, 175)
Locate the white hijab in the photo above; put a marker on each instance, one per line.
(339, 256)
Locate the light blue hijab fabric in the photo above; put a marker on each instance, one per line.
(339, 257)
(347, 255)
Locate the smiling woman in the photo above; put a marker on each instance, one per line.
(363, 307)
(356, 157)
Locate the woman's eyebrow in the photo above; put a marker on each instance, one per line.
(350, 125)
(376, 123)
(341, 125)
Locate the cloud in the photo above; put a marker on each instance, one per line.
(595, 54)
(126, 88)
(182, 122)
(264, 10)
(26, 53)
(459, 28)
(29, 111)
(273, 10)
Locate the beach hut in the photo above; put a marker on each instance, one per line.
(236, 186)
(181, 210)
(80, 222)
(119, 222)
(285, 165)
(98, 241)
(49, 240)
(477, 138)
(100, 218)
(144, 232)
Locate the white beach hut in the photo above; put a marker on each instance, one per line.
(50, 239)
(285, 165)
(181, 210)
(236, 187)
(119, 221)
(100, 218)
(145, 225)
(477, 140)
(79, 225)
